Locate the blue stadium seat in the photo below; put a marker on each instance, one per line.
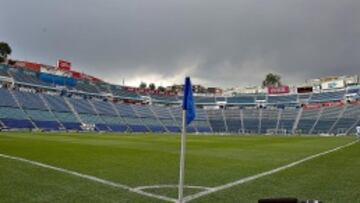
(72, 125)
(138, 128)
(173, 129)
(157, 129)
(14, 123)
(101, 127)
(7, 99)
(47, 125)
(118, 128)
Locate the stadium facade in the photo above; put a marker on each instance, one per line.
(42, 97)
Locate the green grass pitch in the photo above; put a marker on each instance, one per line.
(146, 160)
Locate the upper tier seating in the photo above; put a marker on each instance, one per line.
(6, 98)
(304, 97)
(282, 99)
(205, 100)
(327, 96)
(102, 87)
(56, 103)
(29, 100)
(260, 97)
(241, 100)
(220, 99)
(4, 70)
(86, 87)
(166, 99)
(82, 105)
(123, 93)
(26, 76)
(104, 108)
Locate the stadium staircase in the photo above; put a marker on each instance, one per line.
(338, 118)
(316, 121)
(356, 123)
(77, 116)
(28, 119)
(100, 126)
(62, 127)
(121, 126)
(278, 119)
(297, 119)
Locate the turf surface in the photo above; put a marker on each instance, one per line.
(140, 160)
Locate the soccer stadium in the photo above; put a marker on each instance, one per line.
(45, 98)
(68, 135)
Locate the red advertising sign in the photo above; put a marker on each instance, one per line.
(312, 106)
(76, 74)
(29, 65)
(279, 90)
(333, 104)
(64, 65)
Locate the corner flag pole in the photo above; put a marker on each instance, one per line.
(182, 158)
(188, 115)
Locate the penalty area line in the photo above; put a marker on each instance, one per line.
(89, 177)
(266, 173)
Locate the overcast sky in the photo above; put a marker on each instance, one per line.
(217, 42)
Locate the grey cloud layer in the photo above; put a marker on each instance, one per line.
(226, 43)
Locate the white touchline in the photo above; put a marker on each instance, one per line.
(89, 177)
(266, 173)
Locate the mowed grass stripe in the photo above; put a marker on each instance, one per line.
(153, 160)
(333, 178)
(265, 173)
(88, 177)
(22, 182)
(136, 160)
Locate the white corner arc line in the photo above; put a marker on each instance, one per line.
(171, 186)
(89, 177)
(266, 173)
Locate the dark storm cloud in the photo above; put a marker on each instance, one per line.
(226, 43)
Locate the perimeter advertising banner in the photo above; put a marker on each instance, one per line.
(312, 106)
(278, 90)
(64, 65)
(29, 65)
(333, 104)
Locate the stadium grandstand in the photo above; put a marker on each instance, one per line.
(56, 98)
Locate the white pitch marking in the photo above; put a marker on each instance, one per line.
(89, 177)
(266, 173)
(170, 186)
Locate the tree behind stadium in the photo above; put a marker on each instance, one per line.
(271, 80)
(5, 50)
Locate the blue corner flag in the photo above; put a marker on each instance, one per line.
(188, 101)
